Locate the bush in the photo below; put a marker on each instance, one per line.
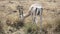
(31, 28)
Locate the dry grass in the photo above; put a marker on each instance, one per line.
(51, 20)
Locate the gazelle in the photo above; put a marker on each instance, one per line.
(35, 9)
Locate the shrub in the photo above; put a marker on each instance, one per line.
(31, 28)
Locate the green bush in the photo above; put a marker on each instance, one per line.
(31, 28)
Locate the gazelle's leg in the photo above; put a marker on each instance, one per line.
(36, 15)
